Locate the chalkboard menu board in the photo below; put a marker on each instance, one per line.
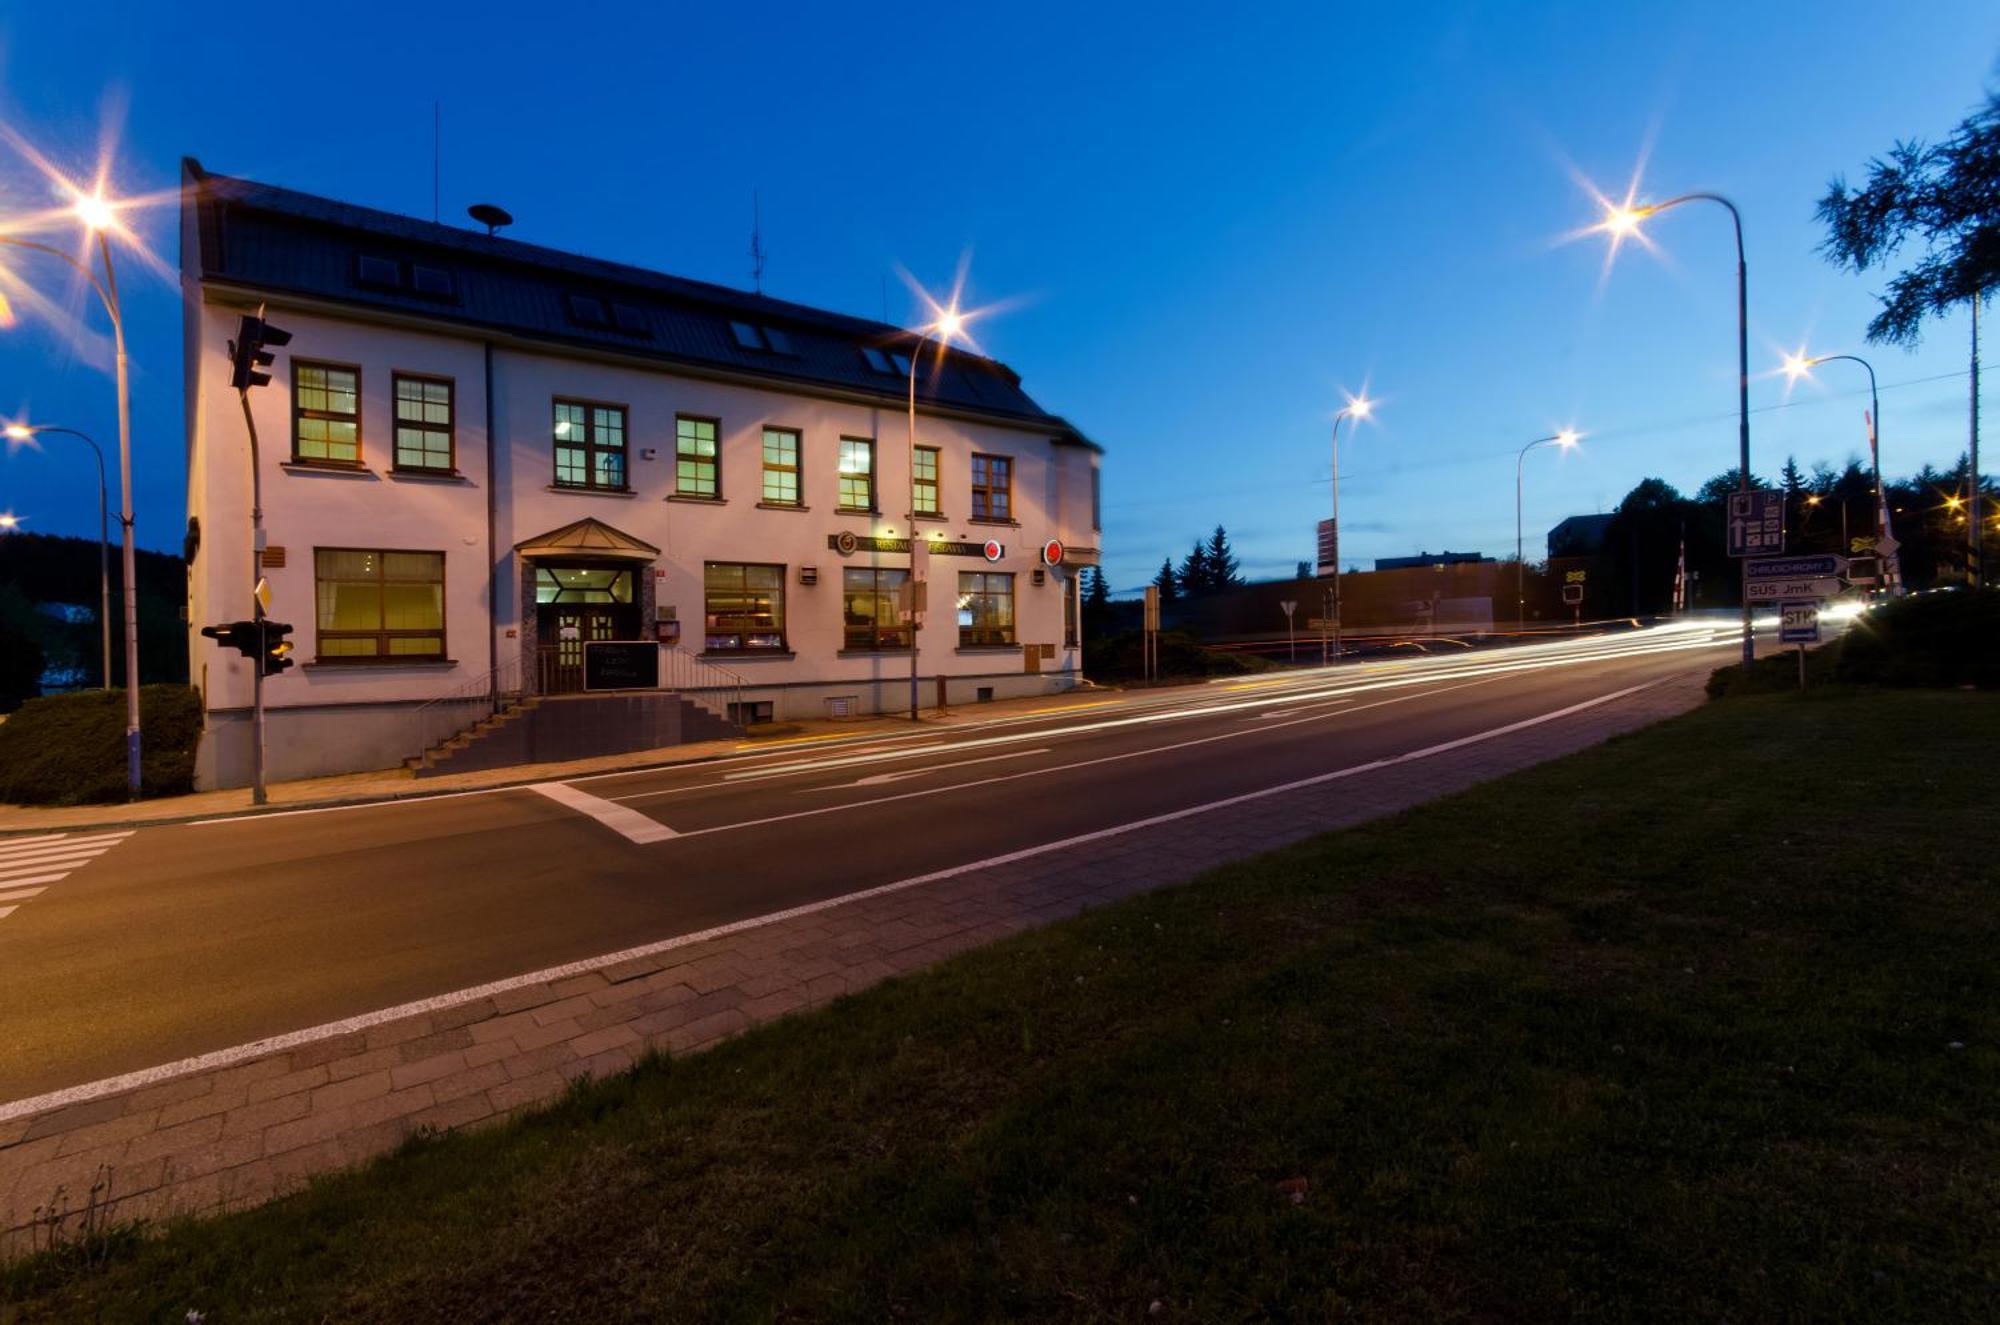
(621, 665)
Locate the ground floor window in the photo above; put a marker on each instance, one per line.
(985, 608)
(1072, 589)
(870, 610)
(583, 584)
(376, 604)
(745, 607)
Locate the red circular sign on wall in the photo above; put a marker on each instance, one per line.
(1052, 553)
(994, 549)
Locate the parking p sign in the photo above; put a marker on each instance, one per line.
(1798, 622)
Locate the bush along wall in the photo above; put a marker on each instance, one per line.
(70, 749)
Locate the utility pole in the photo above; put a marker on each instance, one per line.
(1974, 504)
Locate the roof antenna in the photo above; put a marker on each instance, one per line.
(756, 241)
(437, 152)
(489, 216)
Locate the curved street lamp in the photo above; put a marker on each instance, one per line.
(22, 432)
(1800, 365)
(1566, 439)
(98, 216)
(1622, 221)
(1357, 407)
(948, 324)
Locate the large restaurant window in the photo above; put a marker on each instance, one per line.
(781, 467)
(326, 413)
(379, 605)
(857, 474)
(924, 474)
(745, 610)
(697, 467)
(870, 612)
(423, 423)
(992, 487)
(985, 608)
(590, 445)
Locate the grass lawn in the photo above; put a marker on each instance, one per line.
(1701, 1024)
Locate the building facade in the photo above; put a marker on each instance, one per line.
(479, 457)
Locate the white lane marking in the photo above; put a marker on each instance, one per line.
(858, 757)
(21, 895)
(35, 878)
(59, 844)
(881, 778)
(1289, 712)
(67, 860)
(625, 822)
(6, 911)
(1081, 763)
(420, 799)
(29, 841)
(220, 1058)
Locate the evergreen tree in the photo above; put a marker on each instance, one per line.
(1792, 479)
(1305, 570)
(1942, 196)
(1223, 568)
(1096, 593)
(1195, 575)
(1167, 582)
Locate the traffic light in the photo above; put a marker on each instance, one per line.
(262, 641)
(248, 353)
(277, 650)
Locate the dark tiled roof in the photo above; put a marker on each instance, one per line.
(272, 239)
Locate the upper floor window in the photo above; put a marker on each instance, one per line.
(590, 445)
(423, 422)
(744, 607)
(379, 604)
(924, 477)
(781, 466)
(992, 487)
(697, 467)
(326, 413)
(1096, 498)
(985, 608)
(857, 474)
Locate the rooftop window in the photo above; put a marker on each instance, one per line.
(432, 281)
(876, 359)
(386, 273)
(749, 337)
(587, 311)
(630, 320)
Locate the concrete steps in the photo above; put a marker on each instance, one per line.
(553, 728)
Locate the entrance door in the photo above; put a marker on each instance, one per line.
(565, 628)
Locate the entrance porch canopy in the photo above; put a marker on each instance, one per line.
(587, 539)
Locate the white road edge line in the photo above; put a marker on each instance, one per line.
(619, 819)
(882, 779)
(293, 1039)
(21, 895)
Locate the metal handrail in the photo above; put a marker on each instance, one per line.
(472, 701)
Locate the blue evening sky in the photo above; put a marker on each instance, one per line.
(1207, 224)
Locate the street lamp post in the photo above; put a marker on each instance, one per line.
(21, 432)
(1565, 439)
(1799, 365)
(947, 324)
(1625, 221)
(1357, 407)
(98, 217)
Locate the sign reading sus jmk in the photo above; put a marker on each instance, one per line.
(621, 665)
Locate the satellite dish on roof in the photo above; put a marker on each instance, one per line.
(489, 216)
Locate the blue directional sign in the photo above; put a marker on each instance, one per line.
(1794, 568)
(1756, 522)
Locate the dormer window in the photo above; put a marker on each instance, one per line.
(877, 360)
(383, 273)
(630, 320)
(432, 282)
(587, 311)
(749, 337)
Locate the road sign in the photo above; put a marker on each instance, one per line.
(1329, 547)
(1864, 570)
(1574, 577)
(1152, 607)
(1798, 623)
(1320, 623)
(1572, 593)
(1288, 607)
(1789, 568)
(263, 592)
(1777, 591)
(1756, 523)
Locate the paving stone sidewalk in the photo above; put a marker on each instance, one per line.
(200, 1138)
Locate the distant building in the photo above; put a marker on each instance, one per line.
(1579, 536)
(1430, 559)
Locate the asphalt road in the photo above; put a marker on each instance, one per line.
(181, 939)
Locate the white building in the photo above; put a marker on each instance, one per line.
(478, 455)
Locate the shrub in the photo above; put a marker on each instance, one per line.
(1948, 638)
(70, 749)
(1122, 657)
